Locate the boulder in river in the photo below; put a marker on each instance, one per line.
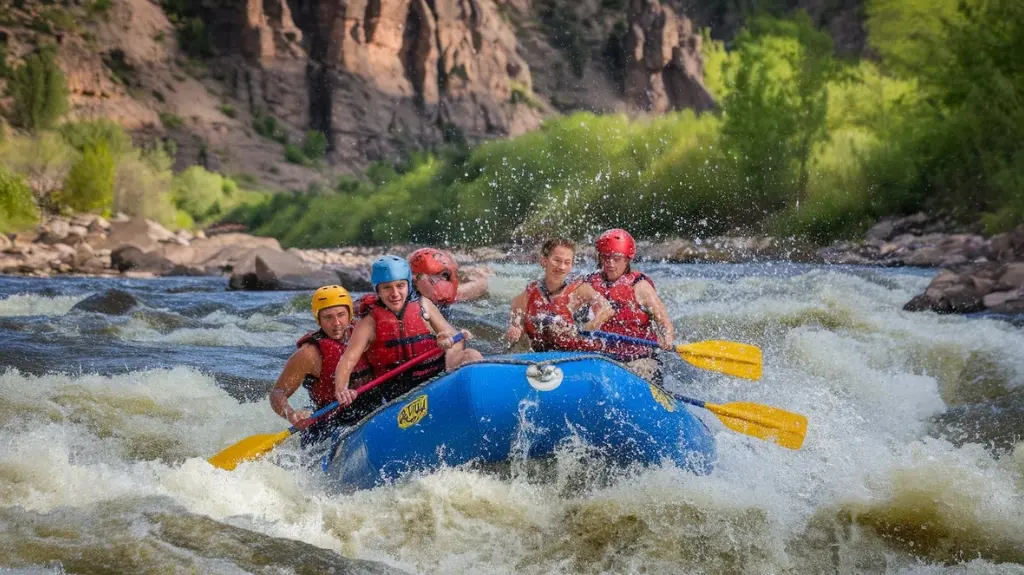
(110, 302)
(129, 257)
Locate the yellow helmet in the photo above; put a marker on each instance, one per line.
(330, 296)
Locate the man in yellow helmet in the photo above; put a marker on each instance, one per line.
(315, 361)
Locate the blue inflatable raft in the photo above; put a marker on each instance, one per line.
(522, 405)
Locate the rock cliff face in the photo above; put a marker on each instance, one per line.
(384, 76)
(381, 76)
(664, 70)
(378, 77)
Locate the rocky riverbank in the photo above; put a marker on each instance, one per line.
(977, 273)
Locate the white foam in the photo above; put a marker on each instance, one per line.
(28, 305)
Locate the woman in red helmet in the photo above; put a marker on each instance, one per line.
(436, 276)
(314, 362)
(547, 310)
(639, 312)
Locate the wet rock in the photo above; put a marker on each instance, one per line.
(888, 228)
(181, 270)
(1011, 302)
(1007, 246)
(110, 302)
(974, 287)
(1010, 276)
(929, 256)
(130, 257)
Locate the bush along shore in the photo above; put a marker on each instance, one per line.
(977, 273)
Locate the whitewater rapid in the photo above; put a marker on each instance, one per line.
(913, 461)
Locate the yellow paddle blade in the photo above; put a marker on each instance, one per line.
(249, 448)
(769, 423)
(736, 359)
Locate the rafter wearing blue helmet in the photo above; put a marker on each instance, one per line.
(395, 329)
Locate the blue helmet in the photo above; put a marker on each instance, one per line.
(389, 269)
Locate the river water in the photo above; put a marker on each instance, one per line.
(913, 463)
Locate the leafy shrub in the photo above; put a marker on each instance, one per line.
(42, 161)
(170, 121)
(208, 196)
(98, 7)
(90, 183)
(142, 186)
(39, 91)
(268, 127)
(314, 145)
(294, 154)
(81, 135)
(17, 207)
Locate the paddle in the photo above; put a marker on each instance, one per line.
(764, 422)
(736, 359)
(256, 446)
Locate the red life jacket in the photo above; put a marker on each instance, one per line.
(401, 337)
(542, 306)
(629, 319)
(321, 390)
(364, 305)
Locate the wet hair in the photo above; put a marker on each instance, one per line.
(550, 245)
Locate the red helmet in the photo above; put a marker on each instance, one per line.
(442, 274)
(616, 241)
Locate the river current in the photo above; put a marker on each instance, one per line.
(913, 463)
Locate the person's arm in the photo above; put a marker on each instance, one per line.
(475, 287)
(298, 366)
(515, 319)
(601, 308)
(358, 343)
(648, 298)
(444, 332)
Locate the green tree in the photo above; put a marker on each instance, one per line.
(958, 145)
(90, 183)
(911, 35)
(39, 90)
(776, 106)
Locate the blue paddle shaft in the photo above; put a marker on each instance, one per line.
(619, 338)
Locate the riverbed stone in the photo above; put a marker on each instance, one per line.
(1011, 302)
(110, 302)
(1011, 276)
(130, 257)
